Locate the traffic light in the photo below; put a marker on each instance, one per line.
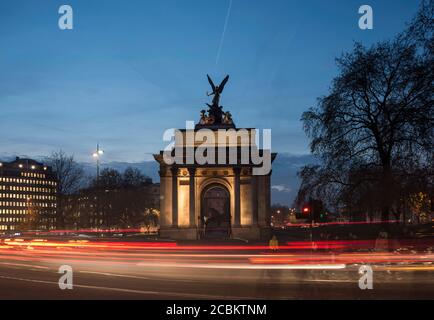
(306, 210)
(323, 216)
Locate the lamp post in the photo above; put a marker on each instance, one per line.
(97, 155)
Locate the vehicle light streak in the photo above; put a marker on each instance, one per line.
(335, 223)
(141, 231)
(246, 266)
(340, 245)
(292, 255)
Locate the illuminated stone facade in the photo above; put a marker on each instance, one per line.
(213, 200)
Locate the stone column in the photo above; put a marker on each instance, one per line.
(254, 192)
(192, 172)
(268, 199)
(174, 171)
(237, 214)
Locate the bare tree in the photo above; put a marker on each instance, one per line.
(132, 177)
(68, 172)
(69, 176)
(421, 28)
(376, 127)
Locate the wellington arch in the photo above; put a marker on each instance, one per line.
(214, 200)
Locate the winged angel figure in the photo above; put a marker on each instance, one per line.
(215, 109)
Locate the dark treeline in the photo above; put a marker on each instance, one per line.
(374, 130)
(114, 200)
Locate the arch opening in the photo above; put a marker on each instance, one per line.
(215, 212)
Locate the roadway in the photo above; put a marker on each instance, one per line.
(141, 270)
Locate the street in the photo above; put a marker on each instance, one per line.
(154, 270)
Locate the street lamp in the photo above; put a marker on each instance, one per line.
(97, 155)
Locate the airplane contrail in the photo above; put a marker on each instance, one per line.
(224, 32)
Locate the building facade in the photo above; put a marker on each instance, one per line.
(28, 196)
(104, 208)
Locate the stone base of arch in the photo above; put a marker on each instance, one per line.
(251, 233)
(246, 233)
(179, 233)
(242, 233)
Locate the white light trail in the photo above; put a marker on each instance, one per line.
(228, 14)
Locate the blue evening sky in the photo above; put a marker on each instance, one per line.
(131, 69)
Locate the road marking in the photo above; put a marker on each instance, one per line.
(143, 292)
(116, 275)
(24, 265)
(140, 277)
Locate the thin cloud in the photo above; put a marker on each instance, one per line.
(281, 188)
